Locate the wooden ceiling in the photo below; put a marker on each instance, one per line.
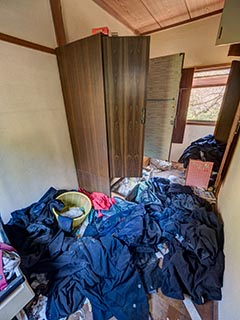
(147, 16)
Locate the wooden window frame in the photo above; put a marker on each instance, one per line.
(201, 123)
(182, 106)
(214, 82)
(186, 86)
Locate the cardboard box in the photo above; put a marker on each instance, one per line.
(145, 161)
(198, 173)
(104, 30)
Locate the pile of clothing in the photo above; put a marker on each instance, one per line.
(194, 263)
(116, 262)
(99, 269)
(205, 149)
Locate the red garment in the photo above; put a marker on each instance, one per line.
(84, 192)
(99, 200)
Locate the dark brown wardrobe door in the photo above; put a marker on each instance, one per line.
(81, 72)
(125, 71)
(229, 105)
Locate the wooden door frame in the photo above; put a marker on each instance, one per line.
(231, 141)
(229, 151)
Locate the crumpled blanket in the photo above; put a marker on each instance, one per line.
(205, 149)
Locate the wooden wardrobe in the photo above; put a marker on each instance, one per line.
(104, 86)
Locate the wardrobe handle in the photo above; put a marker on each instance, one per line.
(143, 117)
(220, 33)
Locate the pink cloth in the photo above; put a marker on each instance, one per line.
(3, 282)
(100, 201)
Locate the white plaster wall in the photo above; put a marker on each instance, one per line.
(192, 133)
(29, 20)
(229, 207)
(196, 39)
(35, 149)
(81, 16)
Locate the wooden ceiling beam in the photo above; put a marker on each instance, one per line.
(58, 22)
(144, 4)
(116, 15)
(201, 7)
(188, 9)
(165, 13)
(183, 22)
(25, 43)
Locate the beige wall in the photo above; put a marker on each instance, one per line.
(80, 16)
(229, 207)
(196, 39)
(35, 149)
(28, 19)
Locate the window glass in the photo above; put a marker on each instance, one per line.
(205, 103)
(207, 94)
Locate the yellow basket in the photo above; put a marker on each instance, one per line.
(75, 199)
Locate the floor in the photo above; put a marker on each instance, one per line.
(163, 308)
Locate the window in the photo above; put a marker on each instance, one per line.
(206, 95)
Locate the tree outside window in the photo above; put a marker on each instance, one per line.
(207, 95)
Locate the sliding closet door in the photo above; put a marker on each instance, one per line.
(162, 96)
(81, 71)
(125, 68)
